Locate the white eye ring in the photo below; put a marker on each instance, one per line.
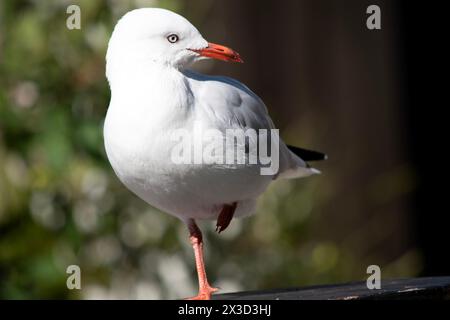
(172, 38)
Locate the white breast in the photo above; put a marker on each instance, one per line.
(139, 146)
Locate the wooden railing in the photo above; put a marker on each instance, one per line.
(417, 288)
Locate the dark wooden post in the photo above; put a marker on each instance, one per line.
(400, 289)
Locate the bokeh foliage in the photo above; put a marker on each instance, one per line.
(61, 204)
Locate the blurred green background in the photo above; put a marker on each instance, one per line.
(329, 84)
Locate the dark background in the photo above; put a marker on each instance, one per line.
(423, 32)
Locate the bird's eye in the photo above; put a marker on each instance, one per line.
(172, 38)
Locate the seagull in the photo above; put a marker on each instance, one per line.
(154, 94)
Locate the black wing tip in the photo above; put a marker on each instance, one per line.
(308, 155)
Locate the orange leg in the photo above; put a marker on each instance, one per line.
(205, 290)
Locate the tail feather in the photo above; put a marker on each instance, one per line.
(299, 172)
(307, 155)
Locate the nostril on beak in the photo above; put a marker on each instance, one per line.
(218, 49)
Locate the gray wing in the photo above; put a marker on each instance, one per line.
(229, 104)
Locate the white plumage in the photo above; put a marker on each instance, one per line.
(153, 93)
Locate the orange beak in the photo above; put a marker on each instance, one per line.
(217, 51)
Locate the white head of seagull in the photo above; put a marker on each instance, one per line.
(153, 35)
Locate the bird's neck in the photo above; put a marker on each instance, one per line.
(152, 91)
(144, 75)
